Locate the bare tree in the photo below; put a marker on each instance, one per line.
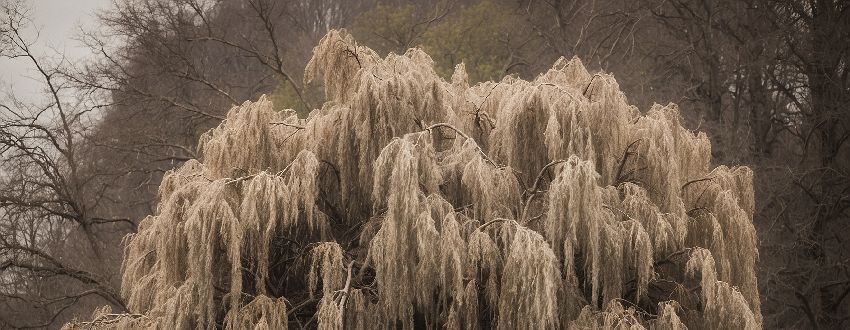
(809, 209)
(178, 65)
(51, 252)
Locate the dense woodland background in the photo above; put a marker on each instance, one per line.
(767, 80)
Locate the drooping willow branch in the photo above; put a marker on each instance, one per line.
(459, 132)
(534, 190)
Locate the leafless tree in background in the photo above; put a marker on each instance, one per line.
(54, 250)
(186, 62)
(807, 197)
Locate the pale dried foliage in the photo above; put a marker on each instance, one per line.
(529, 291)
(549, 203)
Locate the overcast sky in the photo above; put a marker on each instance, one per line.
(59, 21)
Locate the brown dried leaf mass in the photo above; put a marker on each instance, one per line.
(408, 200)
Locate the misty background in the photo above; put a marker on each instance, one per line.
(59, 23)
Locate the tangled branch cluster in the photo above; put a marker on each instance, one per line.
(408, 200)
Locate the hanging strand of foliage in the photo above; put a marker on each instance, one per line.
(412, 201)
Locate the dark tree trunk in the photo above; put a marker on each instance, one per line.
(826, 73)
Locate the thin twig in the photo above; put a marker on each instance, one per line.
(299, 306)
(543, 171)
(534, 189)
(345, 293)
(459, 132)
(276, 123)
(492, 222)
(697, 180)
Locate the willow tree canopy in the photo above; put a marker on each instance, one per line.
(409, 201)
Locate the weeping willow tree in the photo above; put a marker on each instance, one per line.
(409, 201)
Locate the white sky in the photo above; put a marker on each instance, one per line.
(59, 21)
